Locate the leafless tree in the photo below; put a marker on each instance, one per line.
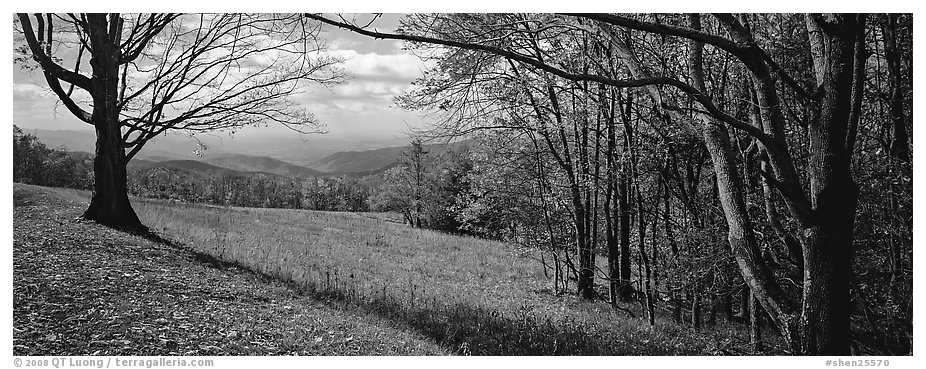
(153, 73)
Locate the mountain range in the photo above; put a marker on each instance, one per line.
(247, 163)
(298, 150)
(178, 152)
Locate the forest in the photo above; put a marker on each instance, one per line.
(749, 168)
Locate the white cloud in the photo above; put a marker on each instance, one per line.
(391, 66)
(28, 90)
(343, 43)
(372, 89)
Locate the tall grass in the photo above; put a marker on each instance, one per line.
(474, 296)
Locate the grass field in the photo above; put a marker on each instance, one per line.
(83, 289)
(465, 295)
(472, 296)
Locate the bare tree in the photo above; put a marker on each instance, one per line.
(152, 73)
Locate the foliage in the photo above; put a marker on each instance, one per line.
(262, 190)
(424, 187)
(34, 163)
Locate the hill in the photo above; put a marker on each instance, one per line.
(289, 147)
(374, 161)
(266, 164)
(473, 296)
(83, 289)
(185, 165)
(359, 161)
(432, 292)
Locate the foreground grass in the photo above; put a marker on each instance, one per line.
(472, 296)
(83, 289)
(270, 281)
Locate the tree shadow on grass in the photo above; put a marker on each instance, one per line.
(201, 257)
(471, 330)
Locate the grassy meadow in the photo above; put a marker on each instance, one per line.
(468, 295)
(472, 296)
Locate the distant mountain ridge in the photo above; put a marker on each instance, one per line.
(374, 161)
(187, 165)
(248, 163)
(359, 161)
(176, 152)
(294, 149)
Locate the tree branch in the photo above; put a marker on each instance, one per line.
(699, 96)
(48, 65)
(53, 72)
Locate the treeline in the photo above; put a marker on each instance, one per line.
(430, 190)
(229, 188)
(35, 163)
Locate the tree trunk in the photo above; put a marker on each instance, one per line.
(586, 281)
(728, 307)
(611, 217)
(730, 189)
(695, 308)
(740, 233)
(626, 289)
(755, 328)
(647, 276)
(623, 196)
(834, 194)
(109, 204)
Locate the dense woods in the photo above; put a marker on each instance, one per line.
(751, 170)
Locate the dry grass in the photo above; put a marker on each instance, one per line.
(472, 296)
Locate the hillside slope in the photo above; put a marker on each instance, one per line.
(372, 161)
(186, 165)
(266, 164)
(355, 285)
(473, 296)
(83, 289)
(358, 161)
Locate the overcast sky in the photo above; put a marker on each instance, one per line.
(361, 108)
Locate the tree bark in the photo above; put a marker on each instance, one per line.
(611, 209)
(109, 204)
(834, 194)
(755, 326)
(623, 198)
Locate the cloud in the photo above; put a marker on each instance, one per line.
(29, 94)
(35, 106)
(371, 89)
(361, 106)
(378, 66)
(343, 43)
(375, 80)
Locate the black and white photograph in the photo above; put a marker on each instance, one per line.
(192, 186)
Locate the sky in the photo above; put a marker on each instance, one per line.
(362, 108)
